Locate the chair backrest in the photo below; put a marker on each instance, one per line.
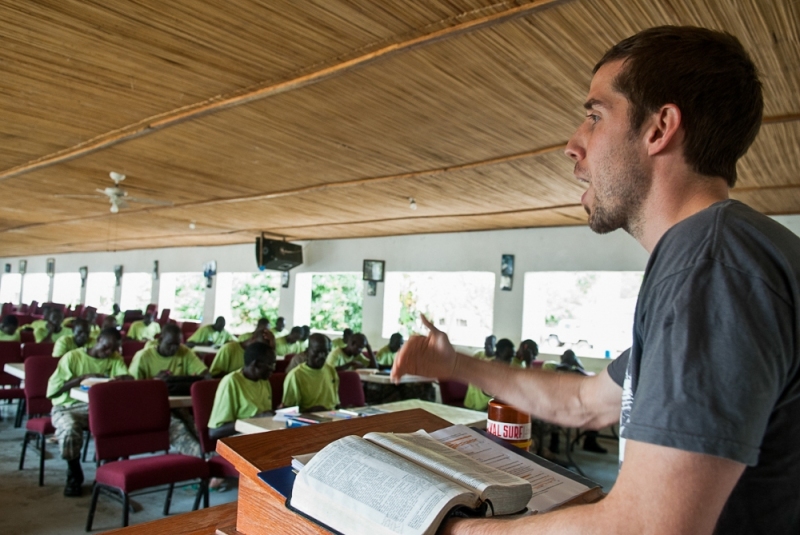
(188, 328)
(281, 365)
(453, 392)
(26, 337)
(202, 403)
(207, 358)
(351, 391)
(30, 349)
(130, 348)
(122, 428)
(276, 383)
(9, 352)
(164, 316)
(38, 370)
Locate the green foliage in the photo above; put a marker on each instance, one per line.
(336, 301)
(190, 295)
(254, 296)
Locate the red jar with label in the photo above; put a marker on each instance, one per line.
(510, 424)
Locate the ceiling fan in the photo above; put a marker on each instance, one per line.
(117, 196)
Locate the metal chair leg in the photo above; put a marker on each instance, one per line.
(92, 507)
(168, 501)
(20, 413)
(125, 508)
(202, 491)
(24, 449)
(41, 461)
(86, 440)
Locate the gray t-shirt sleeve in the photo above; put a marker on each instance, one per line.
(616, 370)
(711, 362)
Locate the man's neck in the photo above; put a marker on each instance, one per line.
(672, 199)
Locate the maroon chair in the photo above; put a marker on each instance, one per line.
(164, 319)
(38, 370)
(276, 382)
(30, 349)
(207, 358)
(202, 403)
(144, 430)
(129, 349)
(351, 391)
(26, 337)
(188, 328)
(281, 365)
(453, 393)
(10, 353)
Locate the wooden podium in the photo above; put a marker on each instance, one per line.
(261, 510)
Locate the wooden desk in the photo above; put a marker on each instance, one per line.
(261, 509)
(453, 415)
(17, 369)
(202, 522)
(175, 402)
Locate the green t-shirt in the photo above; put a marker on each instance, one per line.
(64, 345)
(239, 397)
(245, 337)
(207, 334)
(385, 356)
(120, 319)
(77, 363)
(517, 363)
(41, 334)
(139, 331)
(476, 399)
(10, 337)
(307, 387)
(337, 343)
(482, 355)
(148, 362)
(229, 358)
(283, 347)
(338, 357)
(37, 324)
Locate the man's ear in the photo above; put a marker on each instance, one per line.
(663, 129)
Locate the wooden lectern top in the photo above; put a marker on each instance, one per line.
(261, 509)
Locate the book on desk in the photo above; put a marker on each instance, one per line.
(408, 483)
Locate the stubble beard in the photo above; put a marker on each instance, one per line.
(619, 202)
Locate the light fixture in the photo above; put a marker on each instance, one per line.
(114, 207)
(192, 225)
(412, 203)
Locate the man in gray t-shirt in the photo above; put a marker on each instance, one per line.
(709, 395)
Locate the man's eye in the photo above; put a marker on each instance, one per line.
(593, 118)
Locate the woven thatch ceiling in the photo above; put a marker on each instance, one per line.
(319, 119)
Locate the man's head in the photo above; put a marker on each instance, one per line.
(489, 345)
(346, 334)
(55, 317)
(504, 351)
(259, 361)
(109, 322)
(664, 91)
(10, 324)
(148, 319)
(280, 324)
(115, 308)
(80, 332)
(319, 346)
(90, 313)
(107, 344)
(570, 359)
(219, 324)
(306, 333)
(263, 323)
(170, 340)
(46, 311)
(396, 342)
(356, 344)
(528, 351)
(294, 335)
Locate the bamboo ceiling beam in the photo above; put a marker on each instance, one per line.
(268, 89)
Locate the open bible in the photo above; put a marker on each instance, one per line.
(389, 483)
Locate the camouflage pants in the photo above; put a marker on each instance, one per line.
(70, 424)
(182, 434)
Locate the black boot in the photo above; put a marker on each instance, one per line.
(74, 488)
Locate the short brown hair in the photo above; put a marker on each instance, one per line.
(711, 79)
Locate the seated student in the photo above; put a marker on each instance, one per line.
(313, 385)
(109, 322)
(262, 324)
(32, 326)
(280, 327)
(230, 357)
(526, 354)
(144, 329)
(211, 335)
(343, 341)
(385, 355)
(9, 329)
(90, 315)
(79, 338)
(245, 393)
(166, 357)
(304, 337)
(119, 316)
(53, 330)
(71, 417)
(489, 348)
(351, 356)
(316, 343)
(289, 344)
(475, 398)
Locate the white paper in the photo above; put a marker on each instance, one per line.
(549, 488)
(281, 414)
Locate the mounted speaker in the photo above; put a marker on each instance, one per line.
(277, 255)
